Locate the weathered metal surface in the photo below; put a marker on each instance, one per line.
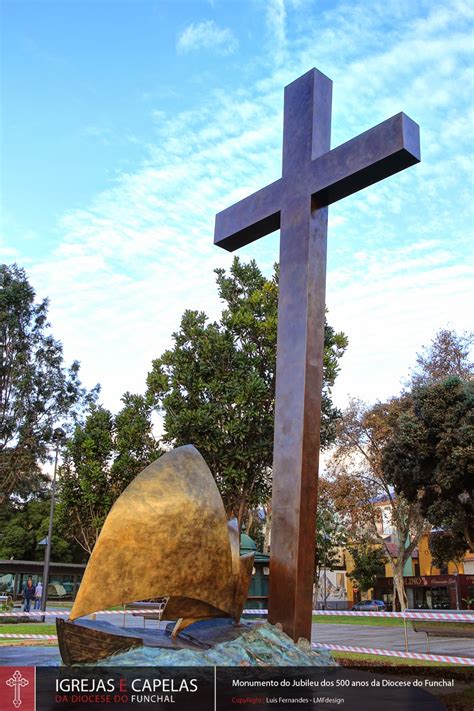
(80, 644)
(90, 641)
(313, 176)
(374, 155)
(167, 536)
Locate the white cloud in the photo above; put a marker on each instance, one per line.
(207, 35)
(127, 265)
(276, 29)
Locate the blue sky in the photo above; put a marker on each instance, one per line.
(127, 125)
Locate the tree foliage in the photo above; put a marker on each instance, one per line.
(102, 457)
(135, 445)
(447, 354)
(446, 546)
(36, 389)
(216, 386)
(331, 533)
(24, 525)
(430, 457)
(368, 565)
(434, 440)
(361, 486)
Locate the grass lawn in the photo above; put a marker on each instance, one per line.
(459, 699)
(379, 659)
(460, 628)
(28, 628)
(349, 620)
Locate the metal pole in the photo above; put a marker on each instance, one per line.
(325, 591)
(458, 602)
(57, 435)
(406, 632)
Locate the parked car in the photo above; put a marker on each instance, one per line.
(369, 606)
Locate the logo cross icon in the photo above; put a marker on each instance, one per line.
(17, 681)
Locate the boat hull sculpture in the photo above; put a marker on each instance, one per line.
(167, 535)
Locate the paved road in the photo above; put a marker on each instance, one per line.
(390, 638)
(30, 656)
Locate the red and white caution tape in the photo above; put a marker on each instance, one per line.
(467, 616)
(469, 661)
(440, 616)
(36, 613)
(357, 613)
(61, 613)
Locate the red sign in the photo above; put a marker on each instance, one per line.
(17, 688)
(432, 580)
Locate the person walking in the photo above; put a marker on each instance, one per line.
(38, 596)
(28, 595)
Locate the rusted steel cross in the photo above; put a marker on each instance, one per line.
(313, 177)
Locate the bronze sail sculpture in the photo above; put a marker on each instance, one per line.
(167, 535)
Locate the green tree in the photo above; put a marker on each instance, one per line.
(102, 458)
(36, 389)
(430, 457)
(216, 387)
(135, 445)
(24, 525)
(361, 486)
(331, 537)
(85, 493)
(447, 354)
(368, 565)
(446, 546)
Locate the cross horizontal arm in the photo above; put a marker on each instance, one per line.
(249, 219)
(376, 154)
(379, 152)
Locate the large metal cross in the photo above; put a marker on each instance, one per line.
(313, 177)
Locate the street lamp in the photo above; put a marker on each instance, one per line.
(58, 436)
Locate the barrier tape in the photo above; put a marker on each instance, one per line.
(469, 661)
(441, 616)
(60, 613)
(35, 613)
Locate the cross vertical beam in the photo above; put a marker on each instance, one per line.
(301, 308)
(313, 177)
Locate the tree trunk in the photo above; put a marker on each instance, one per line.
(315, 594)
(250, 520)
(267, 528)
(241, 512)
(398, 586)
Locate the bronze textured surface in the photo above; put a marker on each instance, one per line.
(166, 536)
(313, 176)
(242, 585)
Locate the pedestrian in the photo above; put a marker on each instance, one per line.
(38, 596)
(28, 595)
